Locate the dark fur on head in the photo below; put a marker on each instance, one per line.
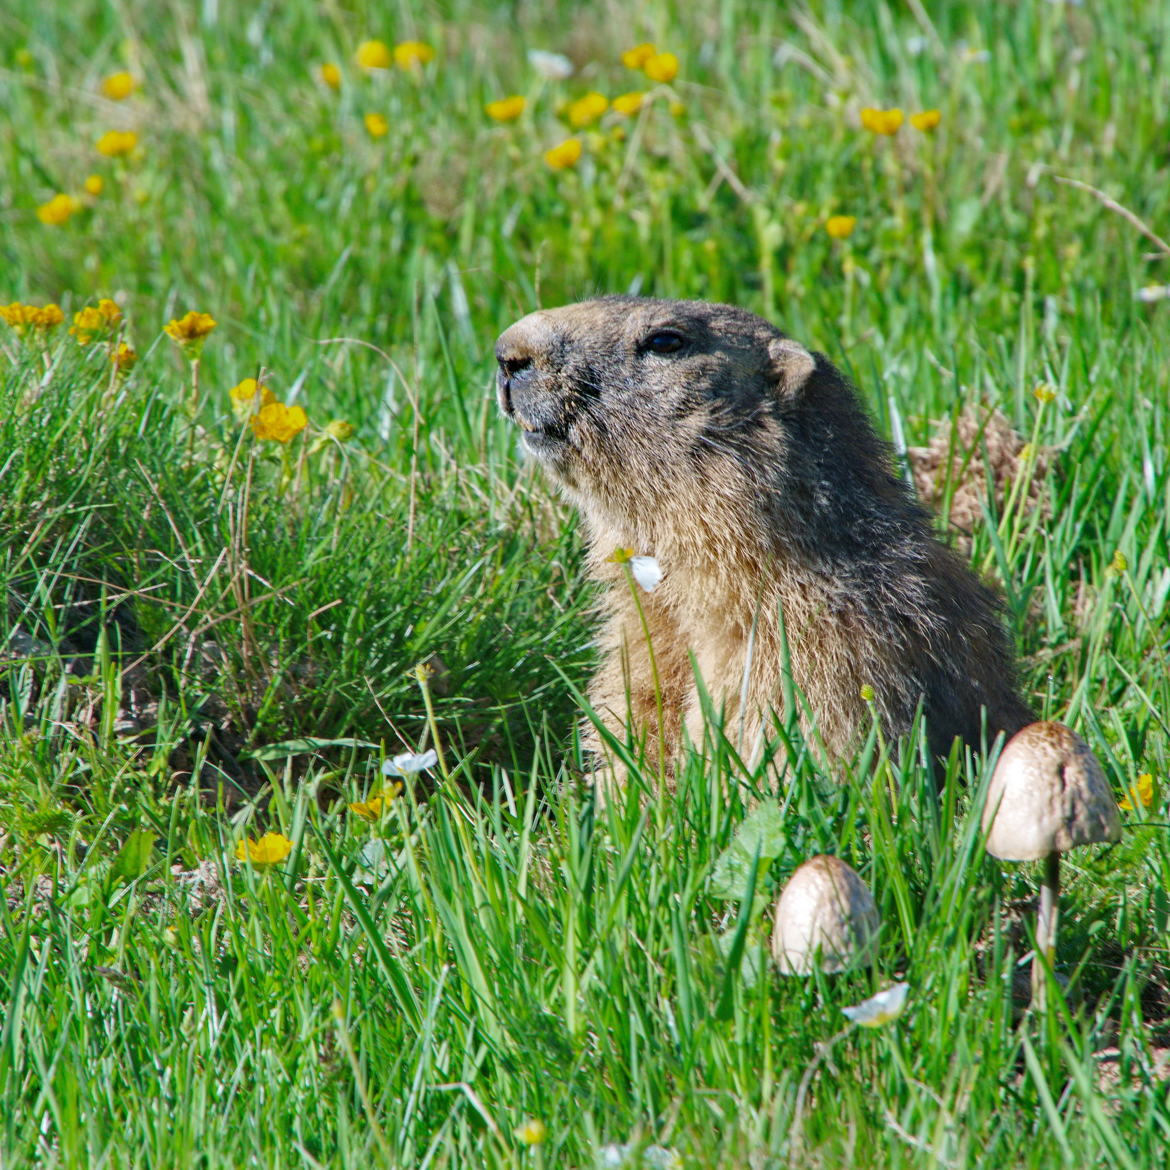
(701, 435)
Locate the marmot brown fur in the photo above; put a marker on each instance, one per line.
(702, 436)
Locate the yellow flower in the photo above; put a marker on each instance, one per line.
(677, 109)
(90, 320)
(249, 396)
(376, 125)
(279, 422)
(586, 110)
(373, 55)
(532, 1133)
(119, 86)
(1142, 790)
(94, 185)
(926, 121)
(1042, 392)
(368, 810)
(124, 358)
(341, 430)
(661, 67)
(565, 155)
(840, 227)
(87, 323)
(506, 109)
(114, 143)
(413, 54)
(371, 810)
(637, 57)
(866, 693)
(330, 74)
(25, 317)
(1119, 563)
(13, 315)
(629, 103)
(58, 210)
(190, 328)
(881, 121)
(271, 849)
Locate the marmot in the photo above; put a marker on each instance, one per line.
(701, 435)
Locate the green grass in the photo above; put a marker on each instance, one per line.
(206, 636)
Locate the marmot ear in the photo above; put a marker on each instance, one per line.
(792, 365)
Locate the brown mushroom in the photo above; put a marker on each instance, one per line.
(825, 916)
(1047, 795)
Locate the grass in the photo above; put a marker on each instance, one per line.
(207, 635)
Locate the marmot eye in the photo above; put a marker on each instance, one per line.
(665, 342)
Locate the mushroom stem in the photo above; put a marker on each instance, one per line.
(1046, 929)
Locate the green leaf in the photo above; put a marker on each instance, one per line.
(750, 966)
(301, 747)
(132, 859)
(373, 863)
(760, 836)
(726, 1007)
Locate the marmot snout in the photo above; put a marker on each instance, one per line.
(702, 436)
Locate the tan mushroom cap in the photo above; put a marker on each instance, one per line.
(1048, 794)
(824, 916)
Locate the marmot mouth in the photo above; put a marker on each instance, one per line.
(542, 442)
(540, 438)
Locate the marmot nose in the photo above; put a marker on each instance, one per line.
(522, 350)
(514, 366)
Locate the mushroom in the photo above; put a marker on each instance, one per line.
(825, 916)
(1047, 795)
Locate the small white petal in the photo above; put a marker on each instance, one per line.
(881, 1008)
(408, 763)
(1154, 292)
(626, 1155)
(916, 45)
(551, 66)
(972, 56)
(647, 572)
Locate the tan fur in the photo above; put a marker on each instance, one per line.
(746, 466)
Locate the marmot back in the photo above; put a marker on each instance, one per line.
(700, 435)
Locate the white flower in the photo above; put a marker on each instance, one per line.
(972, 56)
(647, 572)
(408, 763)
(881, 1008)
(916, 45)
(550, 66)
(1154, 292)
(658, 1157)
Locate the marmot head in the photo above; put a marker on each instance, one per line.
(628, 401)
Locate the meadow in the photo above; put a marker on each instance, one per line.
(229, 936)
